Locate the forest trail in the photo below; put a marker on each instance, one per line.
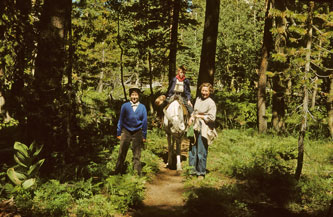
(164, 194)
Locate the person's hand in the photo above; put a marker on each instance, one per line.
(189, 102)
(199, 116)
(190, 121)
(144, 140)
(119, 137)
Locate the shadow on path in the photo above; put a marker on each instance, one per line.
(161, 211)
(164, 194)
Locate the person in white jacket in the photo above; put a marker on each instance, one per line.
(203, 119)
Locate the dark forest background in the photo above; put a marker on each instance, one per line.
(66, 67)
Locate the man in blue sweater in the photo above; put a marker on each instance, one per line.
(132, 127)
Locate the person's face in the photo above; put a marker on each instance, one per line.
(134, 97)
(181, 73)
(205, 92)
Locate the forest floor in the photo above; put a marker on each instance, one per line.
(164, 194)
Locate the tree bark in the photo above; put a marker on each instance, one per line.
(151, 97)
(71, 108)
(306, 95)
(315, 88)
(16, 102)
(314, 94)
(278, 105)
(330, 99)
(101, 74)
(174, 39)
(121, 59)
(44, 116)
(208, 51)
(266, 48)
(330, 107)
(278, 98)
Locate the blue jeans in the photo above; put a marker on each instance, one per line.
(198, 155)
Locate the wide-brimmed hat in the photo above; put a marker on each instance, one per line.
(134, 88)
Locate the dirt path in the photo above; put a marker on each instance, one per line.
(164, 195)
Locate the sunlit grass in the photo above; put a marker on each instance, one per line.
(247, 170)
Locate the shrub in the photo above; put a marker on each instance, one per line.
(28, 165)
(235, 109)
(125, 191)
(97, 205)
(312, 193)
(151, 162)
(52, 199)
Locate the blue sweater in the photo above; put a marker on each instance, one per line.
(131, 120)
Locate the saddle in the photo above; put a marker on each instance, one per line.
(161, 101)
(185, 112)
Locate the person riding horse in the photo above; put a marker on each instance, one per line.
(177, 107)
(180, 89)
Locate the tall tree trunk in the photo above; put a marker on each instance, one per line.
(278, 105)
(101, 74)
(314, 93)
(2, 63)
(23, 29)
(330, 107)
(278, 98)
(150, 83)
(330, 95)
(330, 114)
(306, 95)
(195, 32)
(208, 51)
(315, 88)
(174, 39)
(71, 108)
(121, 58)
(45, 116)
(266, 48)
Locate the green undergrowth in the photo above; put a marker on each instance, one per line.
(98, 193)
(253, 175)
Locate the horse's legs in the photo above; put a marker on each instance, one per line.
(178, 146)
(170, 149)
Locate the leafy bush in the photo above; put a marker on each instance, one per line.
(97, 205)
(212, 201)
(312, 193)
(151, 162)
(157, 141)
(83, 188)
(2, 184)
(264, 160)
(125, 191)
(96, 125)
(83, 198)
(52, 199)
(235, 109)
(27, 165)
(8, 124)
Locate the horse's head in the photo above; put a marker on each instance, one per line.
(174, 118)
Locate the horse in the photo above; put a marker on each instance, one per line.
(174, 126)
